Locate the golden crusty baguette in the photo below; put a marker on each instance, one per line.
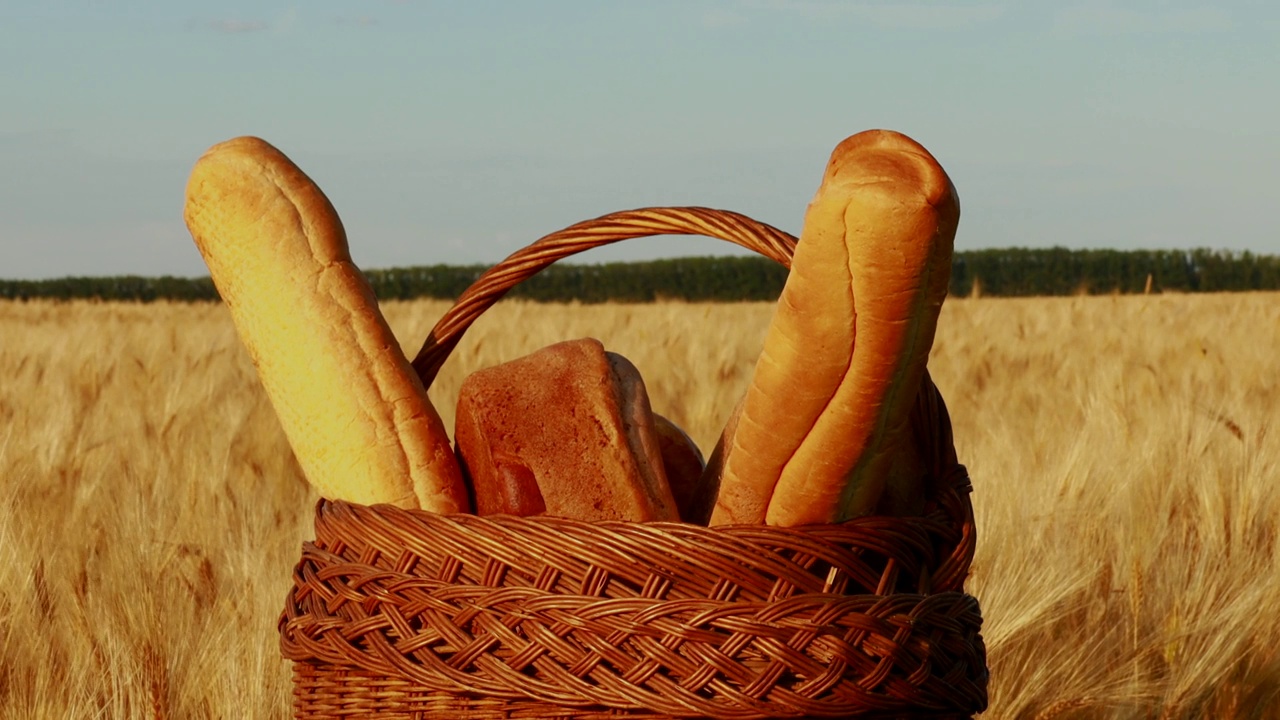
(355, 413)
(823, 415)
(566, 430)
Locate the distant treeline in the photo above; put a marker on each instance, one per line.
(1008, 272)
(1021, 272)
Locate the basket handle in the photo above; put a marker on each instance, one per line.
(495, 282)
(950, 510)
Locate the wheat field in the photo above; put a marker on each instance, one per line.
(1125, 463)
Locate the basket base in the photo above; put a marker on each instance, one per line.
(322, 692)
(405, 614)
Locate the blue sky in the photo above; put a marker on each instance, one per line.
(459, 131)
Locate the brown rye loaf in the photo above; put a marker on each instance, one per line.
(566, 430)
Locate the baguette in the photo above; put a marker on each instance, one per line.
(355, 413)
(567, 431)
(823, 416)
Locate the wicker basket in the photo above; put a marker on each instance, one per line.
(408, 614)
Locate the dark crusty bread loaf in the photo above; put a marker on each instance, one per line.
(566, 430)
(684, 464)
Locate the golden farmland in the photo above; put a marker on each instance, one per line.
(1126, 469)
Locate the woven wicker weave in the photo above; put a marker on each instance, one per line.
(407, 614)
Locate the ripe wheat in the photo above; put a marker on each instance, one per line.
(1126, 469)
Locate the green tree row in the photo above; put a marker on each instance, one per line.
(1059, 271)
(1007, 272)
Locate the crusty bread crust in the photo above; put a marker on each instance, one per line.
(641, 435)
(713, 473)
(355, 413)
(823, 415)
(578, 419)
(684, 466)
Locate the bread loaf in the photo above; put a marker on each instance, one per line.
(684, 467)
(566, 430)
(922, 457)
(355, 413)
(843, 358)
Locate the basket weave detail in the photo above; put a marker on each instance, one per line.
(659, 619)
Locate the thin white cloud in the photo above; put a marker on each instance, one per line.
(721, 17)
(891, 15)
(1110, 19)
(930, 17)
(236, 27)
(285, 22)
(358, 21)
(282, 24)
